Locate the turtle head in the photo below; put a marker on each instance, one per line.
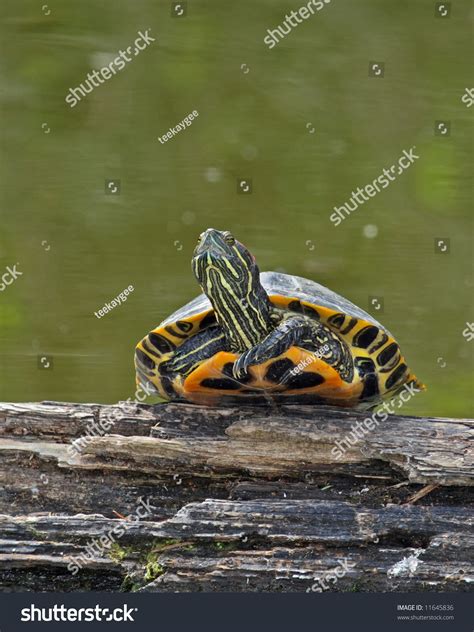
(219, 255)
(229, 276)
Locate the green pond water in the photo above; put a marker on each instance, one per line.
(78, 244)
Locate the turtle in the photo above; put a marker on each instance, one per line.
(259, 337)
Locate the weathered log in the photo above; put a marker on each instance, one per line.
(238, 498)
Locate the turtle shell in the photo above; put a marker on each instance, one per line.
(379, 368)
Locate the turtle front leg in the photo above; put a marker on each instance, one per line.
(195, 350)
(293, 331)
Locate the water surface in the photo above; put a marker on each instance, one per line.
(79, 247)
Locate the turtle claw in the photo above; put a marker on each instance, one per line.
(240, 368)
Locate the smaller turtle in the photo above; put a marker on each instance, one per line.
(254, 336)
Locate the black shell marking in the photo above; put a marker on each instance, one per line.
(337, 320)
(387, 354)
(364, 366)
(371, 387)
(220, 383)
(145, 359)
(175, 333)
(161, 343)
(304, 380)
(349, 326)
(183, 325)
(148, 348)
(365, 336)
(279, 370)
(396, 376)
(306, 310)
(380, 343)
(209, 319)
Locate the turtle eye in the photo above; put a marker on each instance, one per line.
(229, 239)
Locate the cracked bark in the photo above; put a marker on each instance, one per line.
(241, 499)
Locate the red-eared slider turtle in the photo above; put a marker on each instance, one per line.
(271, 336)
